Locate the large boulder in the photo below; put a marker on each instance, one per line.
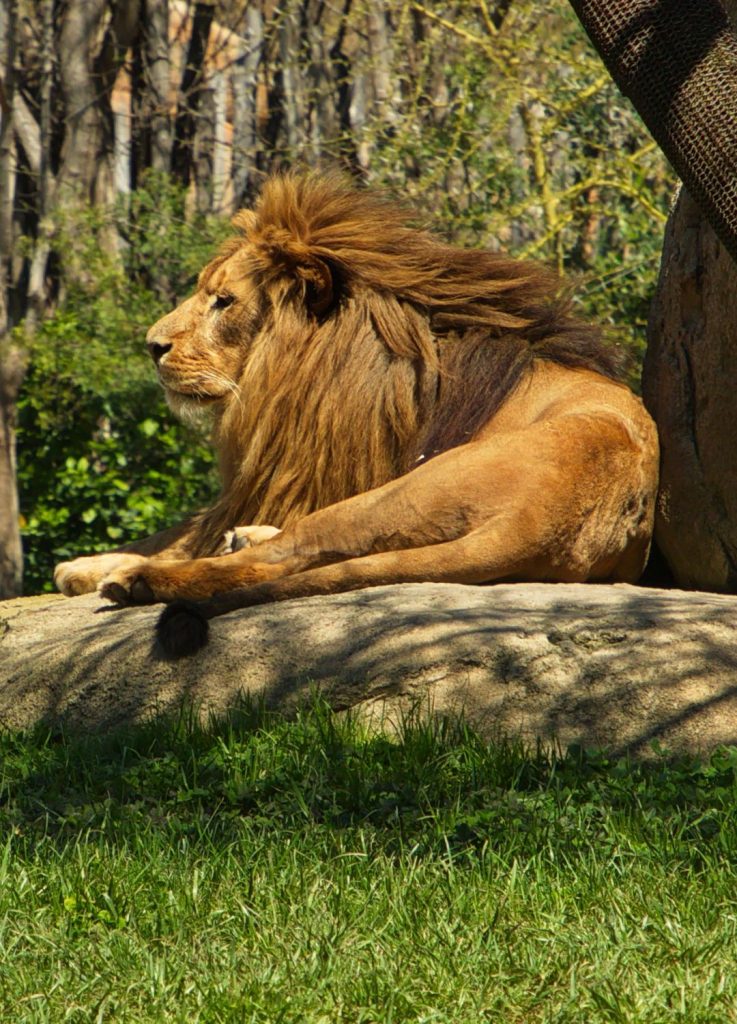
(612, 666)
(689, 387)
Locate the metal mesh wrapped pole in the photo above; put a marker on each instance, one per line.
(676, 60)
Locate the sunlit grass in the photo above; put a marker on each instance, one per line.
(266, 870)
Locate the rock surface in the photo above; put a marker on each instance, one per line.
(613, 666)
(689, 388)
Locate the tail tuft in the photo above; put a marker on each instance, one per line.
(182, 629)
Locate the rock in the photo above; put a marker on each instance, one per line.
(689, 388)
(611, 666)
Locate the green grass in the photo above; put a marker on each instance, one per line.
(305, 871)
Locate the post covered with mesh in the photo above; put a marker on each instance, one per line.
(676, 60)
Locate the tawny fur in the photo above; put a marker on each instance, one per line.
(400, 408)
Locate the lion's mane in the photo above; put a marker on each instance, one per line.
(377, 345)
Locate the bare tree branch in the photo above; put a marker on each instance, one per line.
(185, 123)
(245, 84)
(12, 358)
(157, 71)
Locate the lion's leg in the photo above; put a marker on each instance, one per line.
(82, 575)
(437, 502)
(478, 557)
(525, 506)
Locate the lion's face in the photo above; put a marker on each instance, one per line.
(200, 347)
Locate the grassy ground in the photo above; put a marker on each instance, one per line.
(303, 871)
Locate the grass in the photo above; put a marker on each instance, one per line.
(306, 871)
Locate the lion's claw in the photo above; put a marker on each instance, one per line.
(133, 591)
(114, 592)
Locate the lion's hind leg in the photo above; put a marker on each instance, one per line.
(182, 628)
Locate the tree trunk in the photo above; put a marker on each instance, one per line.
(12, 372)
(221, 168)
(688, 386)
(185, 125)
(357, 119)
(292, 85)
(28, 132)
(12, 358)
(158, 82)
(245, 85)
(37, 284)
(8, 27)
(82, 154)
(204, 149)
(323, 101)
(380, 49)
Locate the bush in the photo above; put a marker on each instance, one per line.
(101, 459)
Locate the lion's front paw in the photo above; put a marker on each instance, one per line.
(192, 580)
(83, 575)
(127, 586)
(72, 579)
(246, 537)
(153, 581)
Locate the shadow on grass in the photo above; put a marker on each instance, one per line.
(434, 787)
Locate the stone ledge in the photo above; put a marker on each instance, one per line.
(612, 666)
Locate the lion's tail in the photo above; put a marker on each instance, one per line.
(183, 628)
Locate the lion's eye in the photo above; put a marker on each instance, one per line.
(222, 301)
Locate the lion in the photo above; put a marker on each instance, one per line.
(386, 408)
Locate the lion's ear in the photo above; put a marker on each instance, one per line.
(319, 285)
(285, 255)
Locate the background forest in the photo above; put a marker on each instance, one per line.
(131, 131)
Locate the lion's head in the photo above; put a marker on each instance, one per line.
(201, 347)
(335, 344)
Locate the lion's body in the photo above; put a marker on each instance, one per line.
(401, 409)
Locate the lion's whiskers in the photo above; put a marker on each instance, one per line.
(221, 380)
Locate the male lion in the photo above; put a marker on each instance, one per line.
(401, 409)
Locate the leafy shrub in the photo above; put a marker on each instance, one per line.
(101, 459)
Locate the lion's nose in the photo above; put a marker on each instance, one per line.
(157, 349)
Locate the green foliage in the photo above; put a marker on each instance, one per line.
(102, 474)
(308, 871)
(519, 138)
(101, 459)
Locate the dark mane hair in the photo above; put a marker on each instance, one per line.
(382, 344)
